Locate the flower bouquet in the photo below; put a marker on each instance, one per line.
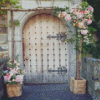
(13, 77)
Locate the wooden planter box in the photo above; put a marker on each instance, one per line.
(78, 86)
(14, 90)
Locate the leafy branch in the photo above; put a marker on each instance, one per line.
(9, 3)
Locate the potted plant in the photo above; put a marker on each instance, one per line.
(80, 16)
(13, 78)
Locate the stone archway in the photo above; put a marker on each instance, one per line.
(23, 17)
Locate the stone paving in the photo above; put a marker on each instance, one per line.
(48, 92)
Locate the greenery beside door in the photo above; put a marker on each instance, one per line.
(80, 15)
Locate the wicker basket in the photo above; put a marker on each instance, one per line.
(14, 90)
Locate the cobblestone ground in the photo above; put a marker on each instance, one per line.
(48, 92)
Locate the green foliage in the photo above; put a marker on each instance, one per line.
(58, 10)
(16, 58)
(99, 24)
(12, 3)
(91, 31)
(13, 83)
(84, 5)
(91, 49)
(15, 22)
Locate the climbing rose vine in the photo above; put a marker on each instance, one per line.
(80, 15)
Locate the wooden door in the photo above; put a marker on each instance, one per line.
(43, 57)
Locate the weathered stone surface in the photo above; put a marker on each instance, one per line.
(4, 47)
(2, 65)
(4, 54)
(78, 86)
(91, 72)
(3, 39)
(3, 24)
(3, 30)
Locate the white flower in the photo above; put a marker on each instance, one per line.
(84, 32)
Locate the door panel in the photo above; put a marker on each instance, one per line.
(43, 56)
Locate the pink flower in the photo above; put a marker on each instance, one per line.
(90, 8)
(75, 11)
(85, 20)
(67, 17)
(63, 14)
(71, 10)
(17, 68)
(10, 68)
(86, 12)
(84, 32)
(19, 78)
(81, 24)
(89, 21)
(80, 6)
(6, 78)
(12, 72)
(80, 15)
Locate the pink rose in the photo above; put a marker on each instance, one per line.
(87, 12)
(81, 24)
(89, 21)
(90, 8)
(84, 32)
(6, 78)
(80, 15)
(67, 17)
(12, 72)
(85, 20)
(71, 10)
(10, 68)
(63, 14)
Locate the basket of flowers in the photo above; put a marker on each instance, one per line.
(13, 78)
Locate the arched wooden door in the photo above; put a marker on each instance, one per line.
(45, 60)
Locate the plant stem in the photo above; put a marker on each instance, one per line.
(79, 60)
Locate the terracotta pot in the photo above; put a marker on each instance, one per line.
(14, 90)
(78, 86)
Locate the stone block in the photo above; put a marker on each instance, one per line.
(3, 30)
(3, 39)
(4, 54)
(78, 86)
(3, 47)
(14, 90)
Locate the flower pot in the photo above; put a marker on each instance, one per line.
(14, 90)
(78, 86)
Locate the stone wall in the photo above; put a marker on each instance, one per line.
(2, 67)
(91, 72)
(3, 36)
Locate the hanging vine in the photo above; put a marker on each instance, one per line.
(9, 4)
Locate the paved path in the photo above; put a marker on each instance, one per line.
(49, 92)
